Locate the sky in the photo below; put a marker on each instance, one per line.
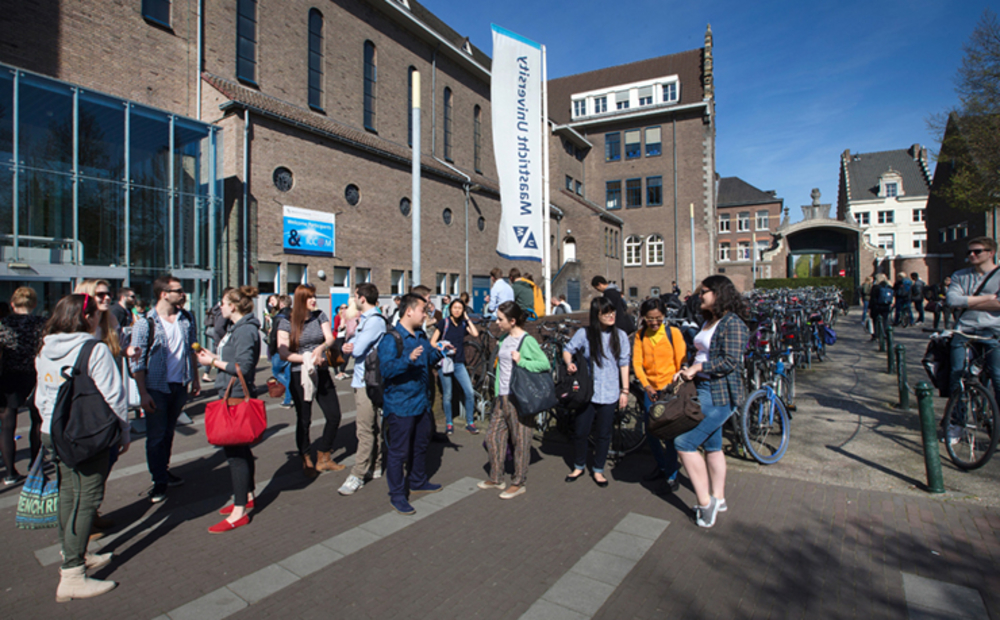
(796, 83)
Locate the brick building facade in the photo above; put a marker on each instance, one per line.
(747, 219)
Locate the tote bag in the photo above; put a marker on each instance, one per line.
(38, 505)
(531, 392)
(235, 421)
(676, 412)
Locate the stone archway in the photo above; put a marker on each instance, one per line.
(829, 237)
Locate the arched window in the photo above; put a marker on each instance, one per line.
(409, 105)
(654, 250)
(477, 118)
(315, 59)
(633, 251)
(246, 40)
(447, 124)
(371, 78)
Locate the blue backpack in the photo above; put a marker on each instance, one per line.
(883, 297)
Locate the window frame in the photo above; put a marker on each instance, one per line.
(919, 216)
(654, 243)
(886, 217)
(725, 252)
(449, 102)
(600, 105)
(633, 189)
(633, 150)
(764, 216)
(370, 101)
(672, 88)
(658, 145)
(726, 218)
(865, 216)
(633, 251)
(613, 146)
(149, 7)
(477, 138)
(744, 251)
(891, 190)
(315, 47)
(613, 188)
(243, 22)
(743, 223)
(654, 201)
(580, 107)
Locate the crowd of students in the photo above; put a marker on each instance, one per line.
(159, 349)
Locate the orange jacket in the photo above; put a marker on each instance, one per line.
(654, 359)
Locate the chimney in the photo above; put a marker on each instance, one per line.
(708, 80)
(915, 152)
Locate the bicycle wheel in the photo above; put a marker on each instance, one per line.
(977, 436)
(764, 427)
(782, 387)
(628, 431)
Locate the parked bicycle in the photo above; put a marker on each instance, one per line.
(971, 417)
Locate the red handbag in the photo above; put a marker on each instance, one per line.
(235, 421)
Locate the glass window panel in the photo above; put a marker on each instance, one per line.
(102, 222)
(101, 128)
(6, 116)
(190, 143)
(149, 228)
(149, 148)
(45, 124)
(6, 203)
(45, 209)
(187, 231)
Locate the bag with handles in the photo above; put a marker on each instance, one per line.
(235, 421)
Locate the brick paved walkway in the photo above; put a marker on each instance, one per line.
(787, 548)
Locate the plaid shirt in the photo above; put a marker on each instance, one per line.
(725, 361)
(156, 373)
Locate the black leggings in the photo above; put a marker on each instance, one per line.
(241, 468)
(18, 391)
(325, 393)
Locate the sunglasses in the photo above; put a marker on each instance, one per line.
(977, 251)
(102, 295)
(175, 290)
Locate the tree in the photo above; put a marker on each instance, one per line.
(970, 132)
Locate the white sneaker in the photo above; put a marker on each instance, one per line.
(487, 485)
(352, 484)
(954, 434)
(722, 506)
(704, 516)
(376, 473)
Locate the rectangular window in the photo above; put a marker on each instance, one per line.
(633, 251)
(342, 276)
(363, 274)
(580, 107)
(633, 291)
(743, 251)
(371, 80)
(891, 190)
(633, 193)
(920, 242)
(612, 146)
(477, 137)
(621, 100)
(614, 195)
(864, 218)
(763, 220)
(646, 100)
(600, 105)
(918, 216)
(157, 11)
(724, 252)
(315, 59)
(885, 217)
(454, 284)
(743, 222)
(442, 284)
(962, 230)
(943, 235)
(652, 141)
(762, 246)
(398, 282)
(670, 92)
(579, 188)
(447, 124)
(246, 40)
(887, 243)
(569, 182)
(633, 144)
(724, 223)
(654, 191)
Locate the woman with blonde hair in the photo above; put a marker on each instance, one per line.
(108, 330)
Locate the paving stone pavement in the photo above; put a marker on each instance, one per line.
(790, 546)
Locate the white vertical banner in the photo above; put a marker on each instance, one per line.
(518, 143)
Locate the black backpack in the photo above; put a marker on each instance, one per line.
(374, 387)
(575, 390)
(83, 424)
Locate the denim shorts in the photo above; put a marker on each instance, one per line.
(708, 433)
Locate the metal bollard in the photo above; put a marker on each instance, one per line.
(880, 333)
(889, 346)
(904, 389)
(932, 459)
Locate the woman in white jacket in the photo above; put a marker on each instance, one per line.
(81, 488)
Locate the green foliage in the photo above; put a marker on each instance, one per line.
(844, 284)
(970, 133)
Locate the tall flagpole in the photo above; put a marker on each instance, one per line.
(546, 225)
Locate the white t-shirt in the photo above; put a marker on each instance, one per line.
(175, 350)
(702, 342)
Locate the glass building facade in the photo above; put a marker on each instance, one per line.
(94, 186)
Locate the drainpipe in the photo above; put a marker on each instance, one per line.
(677, 250)
(246, 196)
(201, 17)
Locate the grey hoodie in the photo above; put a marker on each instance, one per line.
(240, 345)
(60, 351)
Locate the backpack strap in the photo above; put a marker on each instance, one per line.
(150, 339)
(83, 359)
(979, 289)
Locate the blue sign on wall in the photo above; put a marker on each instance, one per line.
(309, 232)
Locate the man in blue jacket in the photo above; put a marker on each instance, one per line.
(406, 376)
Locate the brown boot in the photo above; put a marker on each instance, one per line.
(308, 468)
(325, 463)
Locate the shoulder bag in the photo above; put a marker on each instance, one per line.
(38, 505)
(676, 411)
(531, 392)
(235, 421)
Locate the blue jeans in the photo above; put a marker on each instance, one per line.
(407, 440)
(958, 367)
(664, 453)
(900, 306)
(864, 310)
(160, 425)
(282, 371)
(462, 376)
(708, 433)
